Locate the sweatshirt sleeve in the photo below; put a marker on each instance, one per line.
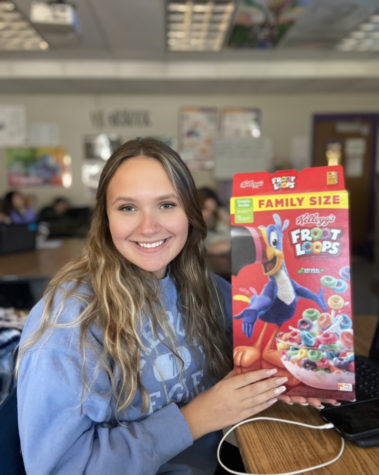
(225, 290)
(62, 436)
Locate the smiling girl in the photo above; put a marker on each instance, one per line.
(124, 366)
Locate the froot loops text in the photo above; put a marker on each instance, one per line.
(316, 241)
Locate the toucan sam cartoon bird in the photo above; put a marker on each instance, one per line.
(276, 304)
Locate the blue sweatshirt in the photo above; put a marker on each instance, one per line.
(63, 434)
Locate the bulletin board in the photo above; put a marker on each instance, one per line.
(241, 155)
(240, 122)
(198, 126)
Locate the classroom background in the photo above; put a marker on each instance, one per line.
(232, 85)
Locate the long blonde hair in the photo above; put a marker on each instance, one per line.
(122, 292)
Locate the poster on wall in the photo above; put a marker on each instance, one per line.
(197, 129)
(242, 155)
(38, 166)
(46, 135)
(12, 125)
(240, 122)
(97, 149)
(100, 146)
(355, 150)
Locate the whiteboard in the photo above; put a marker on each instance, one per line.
(241, 155)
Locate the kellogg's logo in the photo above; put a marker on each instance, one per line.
(283, 182)
(251, 184)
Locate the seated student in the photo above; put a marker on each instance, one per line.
(218, 240)
(4, 218)
(58, 208)
(125, 363)
(64, 220)
(18, 208)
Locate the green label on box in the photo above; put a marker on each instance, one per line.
(244, 210)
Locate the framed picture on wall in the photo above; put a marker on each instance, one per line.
(100, 146)
(240, 122)
(38, 166)
(97, 149)
(197, 129)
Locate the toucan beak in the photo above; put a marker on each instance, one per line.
(248, 247)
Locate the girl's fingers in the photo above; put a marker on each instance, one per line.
(299, 400)
(286, 399)
(257, 408)
(244, 379)
(333, 402)
(259, 393)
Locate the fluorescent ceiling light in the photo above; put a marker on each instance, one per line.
(197, 26)
(364, 38)
(16, 33)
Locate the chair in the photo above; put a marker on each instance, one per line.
(11, 462)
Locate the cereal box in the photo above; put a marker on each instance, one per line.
(291, 287)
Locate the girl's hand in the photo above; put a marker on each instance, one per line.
(233, 399)
(311, 401)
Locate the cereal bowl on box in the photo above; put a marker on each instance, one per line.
(320, 365)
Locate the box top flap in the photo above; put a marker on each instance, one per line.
(328, 178)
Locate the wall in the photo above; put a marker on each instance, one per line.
(283, 117)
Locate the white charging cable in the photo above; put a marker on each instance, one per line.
(285, 421)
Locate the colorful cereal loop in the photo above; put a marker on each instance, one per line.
(305, 324)
(326, 234)
(325, 320)
(308, 364)
(335, 302)
(311, 313)
(328, 338)
(328, 281)
(347, 339)
(340, 287)
(316, 234)
(345, 321)
(307, 247)
(323, 363)
(315, 355)
(307, 339)
(345, 272)
(294, 337)
(317, 247)
(282, 346)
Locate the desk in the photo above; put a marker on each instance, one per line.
(39, 263)
(46, 262)
(272, 447)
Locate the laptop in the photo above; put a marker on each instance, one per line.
(17, 237)
(367, 371)
(359, 421)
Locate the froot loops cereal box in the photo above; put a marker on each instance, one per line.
(291, 285)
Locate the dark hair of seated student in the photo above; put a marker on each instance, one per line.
(18, 207)
(218, 240)
(65, 220)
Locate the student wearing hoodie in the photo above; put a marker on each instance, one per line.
(125, 364)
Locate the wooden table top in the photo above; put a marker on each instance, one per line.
(40, 262)
(274, 447)
(46, 262)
